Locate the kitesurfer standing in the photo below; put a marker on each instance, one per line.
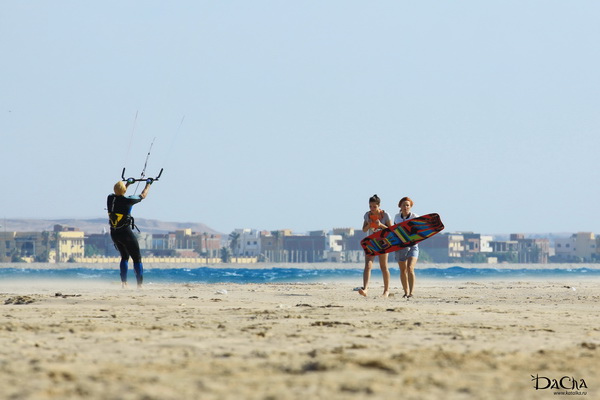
(121, 224)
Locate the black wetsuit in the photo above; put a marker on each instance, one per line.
(121, 223)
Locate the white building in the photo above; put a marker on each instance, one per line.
(485, 244)
(335, 243)
(334, 248)
(248, 242)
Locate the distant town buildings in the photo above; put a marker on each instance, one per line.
(60, 245)
(68, 244)
(181, 244)
(473, 247)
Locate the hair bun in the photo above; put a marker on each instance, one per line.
(374, 199)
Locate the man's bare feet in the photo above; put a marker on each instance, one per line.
(362, 292)
(385, 294)
(124, 285)
(139, 286)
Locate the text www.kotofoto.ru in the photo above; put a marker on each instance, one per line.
(570, 393)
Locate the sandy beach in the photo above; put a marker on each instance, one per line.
(481, 339)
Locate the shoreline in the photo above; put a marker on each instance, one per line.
(280, 274)
(307, 266)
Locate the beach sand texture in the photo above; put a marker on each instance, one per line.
(455, 340)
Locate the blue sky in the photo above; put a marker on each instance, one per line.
(294, 113)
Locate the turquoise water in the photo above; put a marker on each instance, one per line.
(283, 275)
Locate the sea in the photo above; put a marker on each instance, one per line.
(307, 273)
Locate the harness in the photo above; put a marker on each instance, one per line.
(118, 220)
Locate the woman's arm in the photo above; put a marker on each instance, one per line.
(387, 222)
(365, 226)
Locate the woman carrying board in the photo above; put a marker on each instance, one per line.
(407, 256)
(374, 220)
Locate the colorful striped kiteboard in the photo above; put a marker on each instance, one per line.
(404, 234)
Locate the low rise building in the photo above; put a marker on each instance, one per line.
(334, 249)
(581, 246)
(352, 250)
(69, 243)
(7, 246)
(585, 247)
(26, 246)
(271, 245)
(247, 242)
(100, 244)
(564, 248)
(305, 248)
(444, 247)
(536, 251)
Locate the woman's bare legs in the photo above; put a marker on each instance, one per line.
(385, 272)
(366, 275)
(403, 277)
(407, 275)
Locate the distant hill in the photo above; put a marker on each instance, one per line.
(97, 225)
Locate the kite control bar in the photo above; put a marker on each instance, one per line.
(142, 179)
